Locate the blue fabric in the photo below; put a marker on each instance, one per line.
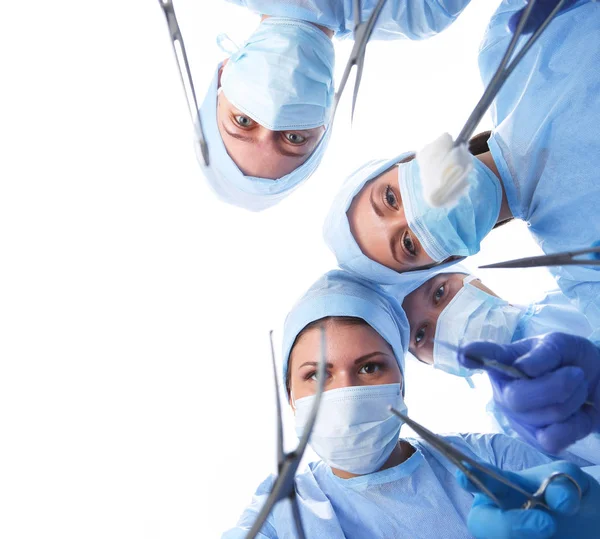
(282, 77)
(545, 143)
(227, 180)
(339, 293)
(412, 19)
(339, 238)
(454, 231)
(417, 498)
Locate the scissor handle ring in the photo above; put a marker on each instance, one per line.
(538, 496)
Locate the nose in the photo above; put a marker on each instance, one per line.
(345, 379)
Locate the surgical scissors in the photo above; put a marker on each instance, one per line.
(566, 258)
(362, 33)
(186, 76)
(504, 70)
(465, 463)
(287, 463)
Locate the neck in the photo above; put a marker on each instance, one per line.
(327, 31)
(505, 213)
(401, 452)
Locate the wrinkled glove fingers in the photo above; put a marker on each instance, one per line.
(556, 387)
(488, 521)
(558, 436)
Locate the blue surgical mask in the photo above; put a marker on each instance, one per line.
(283, 75)
(472, 315)
(354, 431)
(456, 231)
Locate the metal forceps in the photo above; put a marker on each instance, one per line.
(507, 370)
(362, 33)
(504, 70)
(465, 463)
(568, 258)
(186, 76)
(287, 463)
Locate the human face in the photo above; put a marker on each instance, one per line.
(356, 356)
(378, 224)
(424, 306)
(258, 151)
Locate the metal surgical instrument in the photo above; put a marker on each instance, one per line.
(287, 463)
(186, 76)
(507, 370)
(504, 70)
(362, 33)
(557, 259)
(465, 463)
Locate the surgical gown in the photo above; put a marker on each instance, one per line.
(419, 498)
(545, 143)
(412, 19)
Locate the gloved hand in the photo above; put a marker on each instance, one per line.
(539, 12)
(570, 516)
(549, 410)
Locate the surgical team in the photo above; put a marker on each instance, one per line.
(401, 287)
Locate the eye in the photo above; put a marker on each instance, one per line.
(439, 293)
(420, 335)
(243, 121)
(295, 138)
(370, 368)
(390, 197)
(409, 244)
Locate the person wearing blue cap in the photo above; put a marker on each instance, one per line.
(274, 96)
(540, 165)
(369, 481)
(453, 306)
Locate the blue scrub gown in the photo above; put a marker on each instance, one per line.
(546, 141)
(419, 498)
(411, 19)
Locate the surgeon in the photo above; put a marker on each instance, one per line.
(267, 113)
(369, 481)
(540, 165)
(455, 307)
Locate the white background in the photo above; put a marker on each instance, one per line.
(136, 398)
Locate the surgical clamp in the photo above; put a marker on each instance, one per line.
(465, 463)
(567, 258)
(362, 33)
(287, 463)
(186, 76)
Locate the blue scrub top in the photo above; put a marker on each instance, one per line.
(545, 143)
(417, 498)
(411, 19)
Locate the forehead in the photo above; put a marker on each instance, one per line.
(344, 341)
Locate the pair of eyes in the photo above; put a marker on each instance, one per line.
(290, 136)
(437, 297)
(407, 241)
(367, 368)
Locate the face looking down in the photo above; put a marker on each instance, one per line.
(281, 152)
(356, 356)
(379, 226)
(423, 307)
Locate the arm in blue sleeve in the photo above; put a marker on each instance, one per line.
(411, 19)
(251, 512)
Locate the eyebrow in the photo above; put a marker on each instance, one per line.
(373, 205)
(247, 138)
(361, 359)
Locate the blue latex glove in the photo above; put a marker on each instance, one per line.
(537, 16)
(570, 516)
(548, 411)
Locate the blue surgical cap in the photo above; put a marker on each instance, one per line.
(228, 181)
(410, 283)
(339, 293)
(339, 238)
